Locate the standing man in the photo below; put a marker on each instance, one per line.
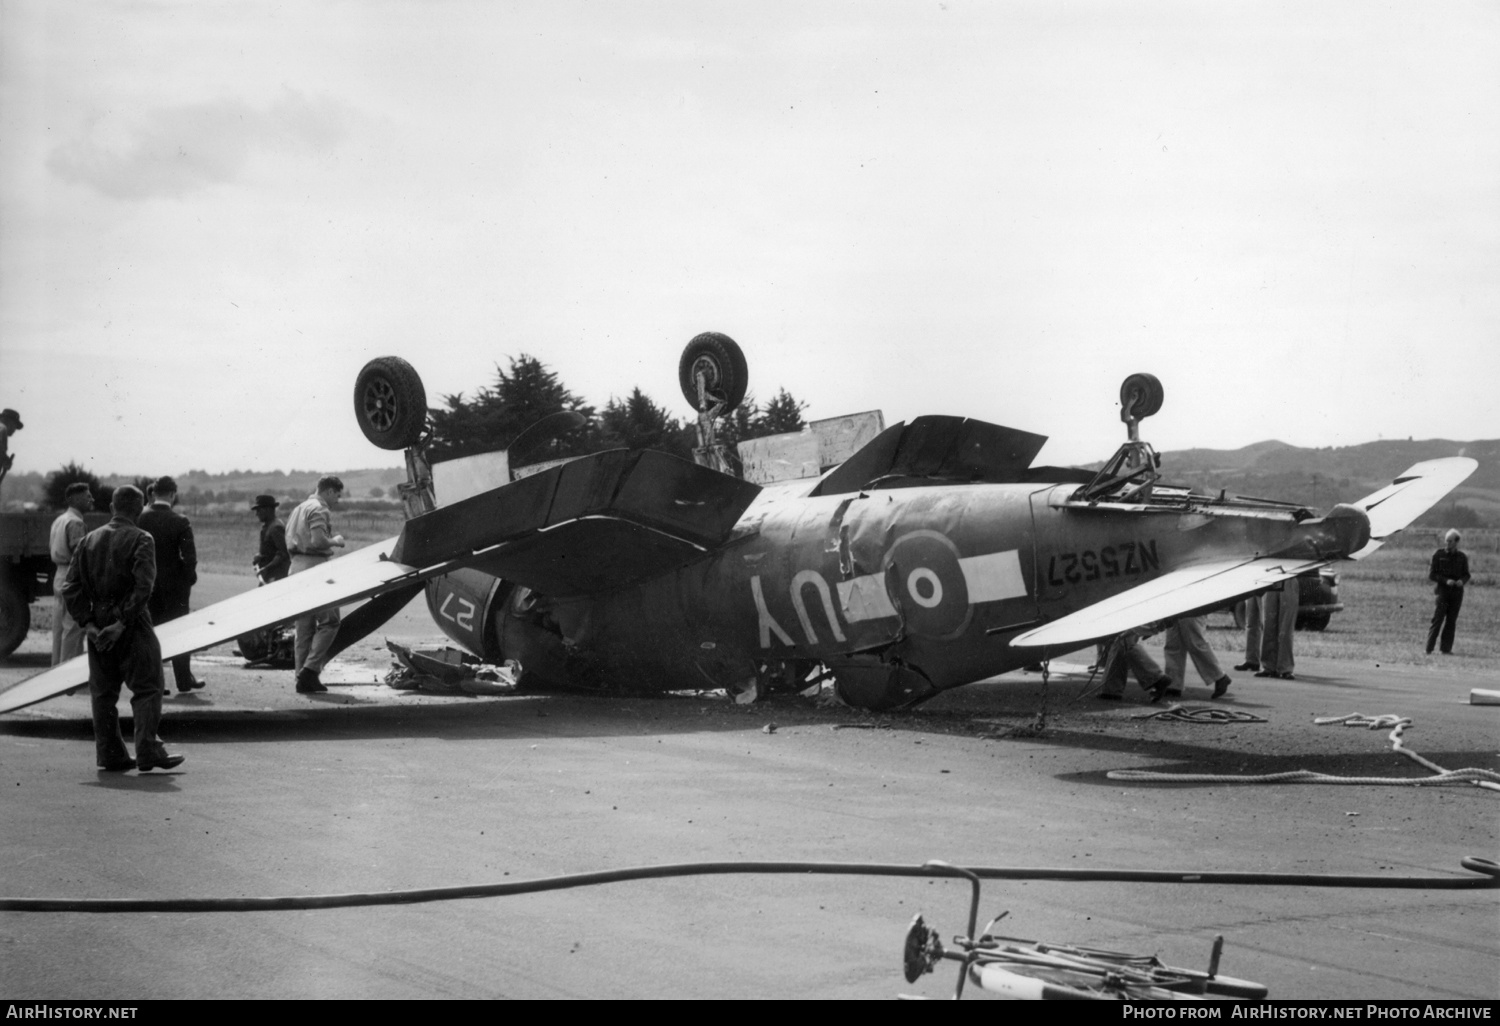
(1251, 614)
(272, 562)
(310, 541)
(108, 591)
(67, 534)
(1187, 637)
(1278, 616)
(176, 568)
(10, 423)
(1449, 574)
(1125, 654)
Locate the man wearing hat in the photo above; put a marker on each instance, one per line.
(67, 532)
(176, 568)
(107, 588)
(10, 423)
(273, 561)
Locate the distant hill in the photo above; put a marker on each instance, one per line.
(1321, 477)
(1270, 470)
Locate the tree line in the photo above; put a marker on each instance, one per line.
(527, 390)
(522, 393)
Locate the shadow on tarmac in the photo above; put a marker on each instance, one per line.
(997, 710)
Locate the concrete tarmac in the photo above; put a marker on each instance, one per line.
(370, 789)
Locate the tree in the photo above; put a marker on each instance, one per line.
(377, 492)
(491, 420)
(56, 487)
(782, 414)
(638, 423)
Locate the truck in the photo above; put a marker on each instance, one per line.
(26, 569)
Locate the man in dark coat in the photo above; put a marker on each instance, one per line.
(273, 561)
(108, 590)
(1449, 574)
(176, 567)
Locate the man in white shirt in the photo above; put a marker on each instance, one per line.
(310, 541)
(67, 531)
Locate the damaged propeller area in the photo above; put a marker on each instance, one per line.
(897, 562)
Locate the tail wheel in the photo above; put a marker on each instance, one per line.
(390, 403)
(718, 360)
(1140, 397)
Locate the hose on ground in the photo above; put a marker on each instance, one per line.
(1488, 878)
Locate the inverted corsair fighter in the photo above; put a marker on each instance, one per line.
(914, 559)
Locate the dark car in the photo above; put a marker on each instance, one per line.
(1317, 599)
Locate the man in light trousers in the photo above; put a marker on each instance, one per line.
(311, 543)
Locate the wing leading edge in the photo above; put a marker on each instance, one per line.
(1175, 593)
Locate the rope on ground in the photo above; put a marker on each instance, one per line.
(1201, 714)
(1484, 778)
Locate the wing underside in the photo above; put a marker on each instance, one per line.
(341, 581)
(1180, 592)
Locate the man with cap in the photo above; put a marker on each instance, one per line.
(67, 534)
(108, 591)
(1449, 574)
(310, 541)
(272, 562)
(176, 568)
(10, 423)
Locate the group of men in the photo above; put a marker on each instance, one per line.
(1270, 625)
(120, 580)
(175, 559)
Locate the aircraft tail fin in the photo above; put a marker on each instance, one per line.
(1416, 490)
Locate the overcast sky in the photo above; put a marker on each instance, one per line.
(212, 214)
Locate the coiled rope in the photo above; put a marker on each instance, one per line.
(1488, 779)
(1201, 714)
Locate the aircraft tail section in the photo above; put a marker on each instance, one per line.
(1412, 493)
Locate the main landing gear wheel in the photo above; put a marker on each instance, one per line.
(390, 403)
(1140, 397)
(718, 359)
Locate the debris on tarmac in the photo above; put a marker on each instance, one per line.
(444, 670)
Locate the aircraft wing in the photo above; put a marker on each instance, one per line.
(1414, 492)
(1181, 591)
(593, 524)
(349, 578)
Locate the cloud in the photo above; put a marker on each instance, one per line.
(176, 150)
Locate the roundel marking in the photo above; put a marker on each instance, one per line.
(924, 587)
(927, 585)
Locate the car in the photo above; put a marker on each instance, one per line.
(1317, 600)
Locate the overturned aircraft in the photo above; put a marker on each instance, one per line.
(896, 561)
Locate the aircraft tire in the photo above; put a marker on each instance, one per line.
(720, 358)
(1316, 622)
(15, 617)
(1141, 396)
(390, 403)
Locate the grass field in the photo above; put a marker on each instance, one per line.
(227, 541)
(1387, 598)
